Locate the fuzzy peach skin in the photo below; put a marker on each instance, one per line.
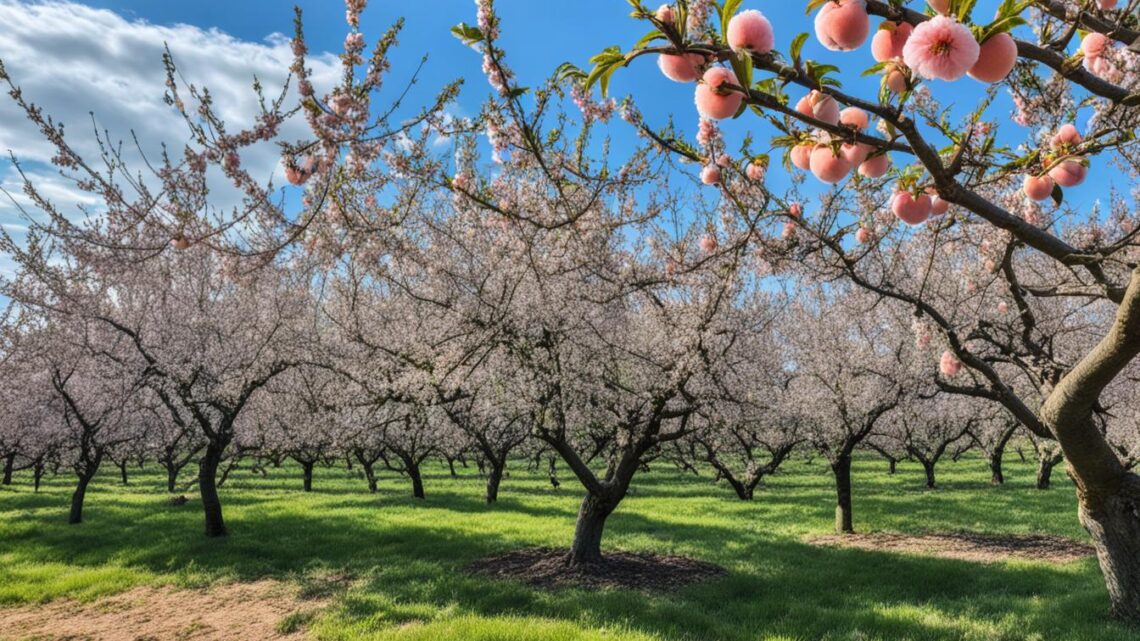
(681, 68)
(889, 40)
(714, 104)
(828, 166)
(843, 25)
(1037, 187)
(875, 167)
(911, 210)
(996, 58)
(750, 31)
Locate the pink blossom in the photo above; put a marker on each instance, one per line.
(941, 48)
(708, 243)
(949, 365)
(710, 175)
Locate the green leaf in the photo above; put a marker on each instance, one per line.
(797, 47)
(813, 5)
(726, 12)
(467, 34)
(648, 38)
(742, 67)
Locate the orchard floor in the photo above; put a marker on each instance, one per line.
(386, 566)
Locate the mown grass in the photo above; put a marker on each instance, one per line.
(403, 558)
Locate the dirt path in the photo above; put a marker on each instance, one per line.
(259, 611)
(968, 546)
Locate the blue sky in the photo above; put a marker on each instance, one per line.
(538, 36)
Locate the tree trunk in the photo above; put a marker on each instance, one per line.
(37, 475)
(77, 497)
(1114, 525)
(493, 480)
(842, 470)
(451, 467)
(587, 546)
(413, 470)
(122, 471)
(370, 474)
(308, 480)
(996, 475)
(171, 478)
(208, 488)
(928, 467)
(894, 466)
(1045, 472)
(9, 466)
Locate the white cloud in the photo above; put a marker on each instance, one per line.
(74, 60)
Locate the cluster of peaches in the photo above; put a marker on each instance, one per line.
(939, 48)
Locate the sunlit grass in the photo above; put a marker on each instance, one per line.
(403, 558)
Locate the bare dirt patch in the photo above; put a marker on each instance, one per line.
(259, 611)
(546, 568)
(968, 546)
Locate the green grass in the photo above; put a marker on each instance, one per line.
(405, 557)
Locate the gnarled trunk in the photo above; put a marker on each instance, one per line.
(208, 489)
(412, 467)
(493, 479)
(928, 467)
(841, 468)
(1113, 522)
(997, 477)
(77, 497)
(370, 474)
(1045, 467)
(171, 478)
(592, 515)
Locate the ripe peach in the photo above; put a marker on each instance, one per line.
(750, 31)
(889, 39)
(854, 117)
(1069, 173)
(876, 166)
(856, 153)
(911, 210)
(681, 68)
(714, 102)
(800, 155)
(938, 206)
(828, 166)
(995, 59)
(710, 175)
(895, 80)
(843, 25)
(1067, 134)
(820, 106)
(1037, 187)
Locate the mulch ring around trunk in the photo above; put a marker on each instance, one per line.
(967, 546)
(547, 568)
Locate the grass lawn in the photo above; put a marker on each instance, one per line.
(406, 556)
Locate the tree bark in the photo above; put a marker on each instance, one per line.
(308, 480)
(493, 479)
(9, 467)
(451, 467)
(413, 470)
(76, 515)
(37, 475)
(841, 468)
(928, 467)
(1045, 472)
(997, 477)
(1113, 522)
(592, 515)
(370, 474)
(208, 489)
(171, 478)
(894, 466)
(122, 471)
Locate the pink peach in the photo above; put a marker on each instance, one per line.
(800, 156)
(843, 25)
(1069, 173)
(875, 166)
(996, 58)
(911, 210)
(681, 68)
(1037, 187)
(828, 166)
(750, 31)
(712, 101)
(889, 40)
